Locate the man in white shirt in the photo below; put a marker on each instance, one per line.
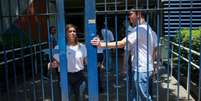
(143, 43)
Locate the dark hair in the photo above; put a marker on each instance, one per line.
(52, 27)
(100, 35)
(140, 11)
(68, 26)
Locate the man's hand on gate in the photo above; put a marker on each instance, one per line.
(96, 42)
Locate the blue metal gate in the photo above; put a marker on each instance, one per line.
(25, 40)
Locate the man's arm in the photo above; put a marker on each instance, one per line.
(100, 44)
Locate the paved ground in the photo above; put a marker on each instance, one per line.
(164, 93)
(170, 83)
(24, 90)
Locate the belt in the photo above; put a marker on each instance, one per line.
(75, 72)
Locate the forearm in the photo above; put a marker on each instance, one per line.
(118, 44)
(154, 54)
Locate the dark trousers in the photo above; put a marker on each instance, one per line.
(77, 85)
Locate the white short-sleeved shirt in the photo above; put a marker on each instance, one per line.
(75, 56)
(130, 30)
(139, 52)
(155, 39)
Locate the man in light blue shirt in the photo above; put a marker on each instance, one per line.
(107, 37)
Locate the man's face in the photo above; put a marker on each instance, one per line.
(132, 18)
(53, 30)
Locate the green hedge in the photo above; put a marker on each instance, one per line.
(185, 38)
(185, 41)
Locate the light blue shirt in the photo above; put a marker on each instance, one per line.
(107, 35)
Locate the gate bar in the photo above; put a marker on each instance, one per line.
(127, 68)
(158, 50)
(50, 49)
(90, 29)
(62, 50)
(190, 54)
(106, 51)
(179, 57)
(117, 59)
(199, 87)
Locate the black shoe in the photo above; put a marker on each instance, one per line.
(45, 78)
(101, 90)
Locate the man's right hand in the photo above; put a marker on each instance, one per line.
(54, 64)
(95, 41)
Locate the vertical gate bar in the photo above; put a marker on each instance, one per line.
(171, 59)
(1, 18)
(1, 22)
(38, 28)
(190, 54)
(41, 73)
(30, 16)
(179, 56)
(90, 29)
(35, 53)
(50, 59)
(32, 61)
(199, 87)
(50, 50)
(14, 69)
(137, 46)
(23, 65)
(106, 54)
(62, 50)
(127, 70)
(14, 73)
(40, 48)
(169, 50)
(147, 16)
(6, 73)
(117, 66)
(106, 51)
(22, 55)
(127, 56)
(106, 59)
(50, 53)
(158, 50)
(10, 32)
(12, 44)
(13, 47)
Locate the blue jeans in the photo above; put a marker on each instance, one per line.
(140, 88)
(109, 57)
